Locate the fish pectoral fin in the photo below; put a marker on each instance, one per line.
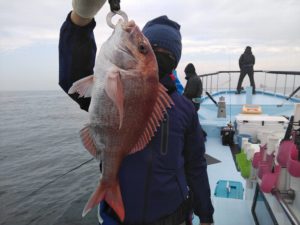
(112, 195)
(114, 90)
(83, 87)
(88, 141)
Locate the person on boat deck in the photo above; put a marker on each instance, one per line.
(246, 63)
(193, 88)
(166, 181)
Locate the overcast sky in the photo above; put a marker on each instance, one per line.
(215, 33)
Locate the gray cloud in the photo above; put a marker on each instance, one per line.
(215, 32)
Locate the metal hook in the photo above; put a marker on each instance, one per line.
(110, 16)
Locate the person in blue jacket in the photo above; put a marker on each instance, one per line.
(167, 181)
(179, 86)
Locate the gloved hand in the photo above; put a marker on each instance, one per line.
(87, 8)
(114, 5)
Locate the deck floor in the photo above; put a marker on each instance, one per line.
(226, 209)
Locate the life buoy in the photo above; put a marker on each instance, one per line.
(251, 109)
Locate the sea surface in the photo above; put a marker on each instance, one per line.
(39, 141)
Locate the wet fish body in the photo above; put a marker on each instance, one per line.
(127, 105)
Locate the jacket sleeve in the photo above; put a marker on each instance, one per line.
(241, 61)
(77, 52)
(200, 88)
(190, 90)
(196, 172)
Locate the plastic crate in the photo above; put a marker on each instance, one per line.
(229, 189)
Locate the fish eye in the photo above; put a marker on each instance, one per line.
(142, 48)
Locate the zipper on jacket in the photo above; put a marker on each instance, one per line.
(164, 135)
(147, 185)
(163, 151)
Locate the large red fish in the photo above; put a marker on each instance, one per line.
(127, 105)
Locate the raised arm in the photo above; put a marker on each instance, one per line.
(77, 46)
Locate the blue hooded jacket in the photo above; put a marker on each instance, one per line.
(155, 181)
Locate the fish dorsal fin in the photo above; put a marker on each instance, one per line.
(114, 90)
(163, 102)
(88, 141)
(83, 87)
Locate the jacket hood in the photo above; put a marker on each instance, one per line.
(189, 71)
(248, 50)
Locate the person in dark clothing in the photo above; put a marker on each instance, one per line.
(193, 87)
(246, 63)
(166, 181)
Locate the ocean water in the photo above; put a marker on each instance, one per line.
(39, 141)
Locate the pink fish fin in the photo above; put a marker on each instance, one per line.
(114, 90)
(113, 198)
(164, 97)
(163, 101)
(95, 198)
(112, 195)
(88, 141)
(83, 87)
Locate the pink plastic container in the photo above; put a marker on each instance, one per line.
(269, 180)
(284, 152)
(263, 168)
(293, 165)
(258, 156)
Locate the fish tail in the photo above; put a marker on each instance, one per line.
(112, 195)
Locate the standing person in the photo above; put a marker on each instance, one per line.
(246, 63)
(193, 88)
(167, 180)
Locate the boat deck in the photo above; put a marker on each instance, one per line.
(234, 211)
(226, 170)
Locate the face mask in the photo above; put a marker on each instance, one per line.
(165, 63)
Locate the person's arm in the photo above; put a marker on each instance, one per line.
(200, 88)
(189, 90)
(196, 172)
(77, 51)
(77, 47)
(241, 61)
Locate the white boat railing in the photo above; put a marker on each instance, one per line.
(276, 82)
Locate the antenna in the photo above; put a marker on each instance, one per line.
(229, 98)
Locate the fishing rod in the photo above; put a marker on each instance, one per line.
(211, 98)
(55, 179)
(291, 95)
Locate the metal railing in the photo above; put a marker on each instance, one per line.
(277, 82)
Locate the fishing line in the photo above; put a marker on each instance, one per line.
(230, 98)
(55, 179)
(229, 61)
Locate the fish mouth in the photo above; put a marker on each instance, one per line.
(130, 26)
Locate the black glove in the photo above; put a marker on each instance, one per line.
(114, 5)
